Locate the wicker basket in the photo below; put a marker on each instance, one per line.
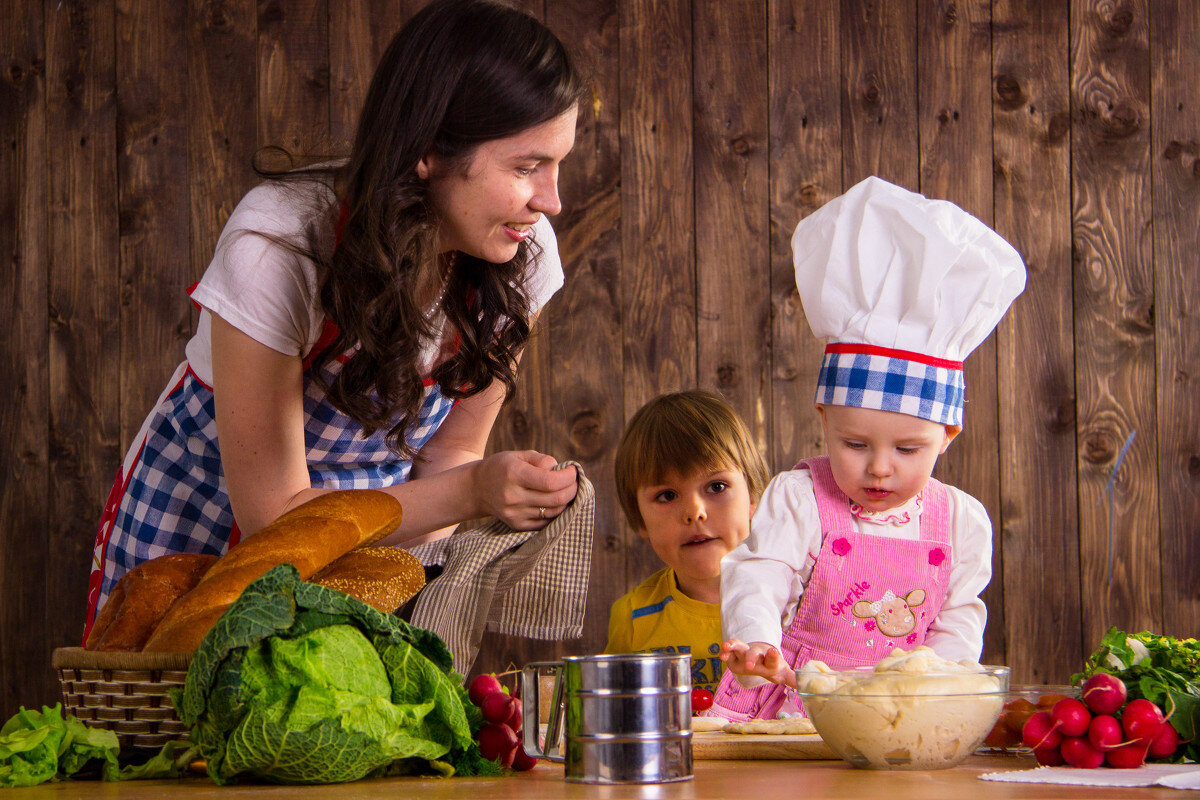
(124, 692)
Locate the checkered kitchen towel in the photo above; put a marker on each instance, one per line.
(516, 583)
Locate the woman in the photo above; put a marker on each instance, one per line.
(360, 324)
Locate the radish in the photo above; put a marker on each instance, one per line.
(1165, 743)
(1072, 717)
(498, 743)
(514, 719)
(1128, 756)
(482, 686)
(497, 707)
(1078, 752)
(522, 761)
(1104, 732)
(1104, 693)
(1041, 731)
(1141, 720)
(1048, 756)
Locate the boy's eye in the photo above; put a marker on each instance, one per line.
(855, 445)
(716, 487)
(908, 451)
(665, 496)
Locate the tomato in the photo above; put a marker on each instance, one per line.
(702, 699)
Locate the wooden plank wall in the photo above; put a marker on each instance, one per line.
(1070, 125)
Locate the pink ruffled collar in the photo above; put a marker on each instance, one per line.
(900, 515)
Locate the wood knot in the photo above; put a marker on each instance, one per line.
(951, 16)
(727, 376)
(1096, 449)
(1119, 23)
(1061, 417)
(1009, 94)
(1193, 466)
(518, 424)
(740, 146)
(16, 74)
(586, 435)
(272, 12)
(1140, 320)
(872, 93)
(810, 195)
(947, 115)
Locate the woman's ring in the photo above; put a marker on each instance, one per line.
(541, 512)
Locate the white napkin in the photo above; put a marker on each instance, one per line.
(1174, 776)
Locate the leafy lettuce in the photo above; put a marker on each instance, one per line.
(1161, 669)
(298, 683)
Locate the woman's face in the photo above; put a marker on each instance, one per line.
(487, 208)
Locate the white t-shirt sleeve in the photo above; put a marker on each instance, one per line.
(545, 276)
(259, 286)
(763, 577)
(957, 631)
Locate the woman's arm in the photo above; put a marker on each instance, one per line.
(260, 421)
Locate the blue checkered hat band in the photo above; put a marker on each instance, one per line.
(865, 376)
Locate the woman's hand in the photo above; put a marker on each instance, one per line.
(757, 658)
(522, 489)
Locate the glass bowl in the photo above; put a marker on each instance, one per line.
(1020, 703)
(905, 720)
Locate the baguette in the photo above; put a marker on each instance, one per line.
(142, 597)
(309, 537)
(382, 577)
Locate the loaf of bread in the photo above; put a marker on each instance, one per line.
(382, 577)
(141, 598)
(309, 537)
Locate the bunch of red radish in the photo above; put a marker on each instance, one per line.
(1100, 729)
(500, 738)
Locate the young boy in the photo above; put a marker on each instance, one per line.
(688, 477)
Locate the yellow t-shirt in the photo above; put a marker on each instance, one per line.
(657, 617)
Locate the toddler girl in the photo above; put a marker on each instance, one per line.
(860, 551)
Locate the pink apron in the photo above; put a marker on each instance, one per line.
(867, 595)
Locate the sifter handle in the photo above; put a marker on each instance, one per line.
(530, 722)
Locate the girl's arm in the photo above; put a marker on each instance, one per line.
(260, 418)
(957, 630)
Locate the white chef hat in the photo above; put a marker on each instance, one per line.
(903, 288)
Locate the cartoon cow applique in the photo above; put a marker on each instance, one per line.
(893, 615)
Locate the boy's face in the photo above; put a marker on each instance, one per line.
(882, 459)
(692, 521)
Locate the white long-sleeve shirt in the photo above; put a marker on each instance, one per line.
(763, 578)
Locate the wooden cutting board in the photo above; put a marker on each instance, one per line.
(711, 745)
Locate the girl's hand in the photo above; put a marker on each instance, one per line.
(758, 658)
(522, 489)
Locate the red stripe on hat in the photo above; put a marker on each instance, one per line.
(873, 350)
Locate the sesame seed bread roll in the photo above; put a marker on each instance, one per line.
(309, 537)
(382, 577)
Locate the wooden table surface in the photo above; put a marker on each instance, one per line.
(727, 780)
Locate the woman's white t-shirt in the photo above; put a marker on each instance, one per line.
(270, 293)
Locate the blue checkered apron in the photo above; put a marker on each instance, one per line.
(172, 499)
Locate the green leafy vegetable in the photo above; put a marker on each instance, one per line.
(40, 746)
(298, 683)
(36, 747)
(1161, 669)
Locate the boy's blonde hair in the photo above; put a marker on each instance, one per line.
(685, 432)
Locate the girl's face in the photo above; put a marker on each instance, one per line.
(693, 520)
(882, 459)
(487, 208)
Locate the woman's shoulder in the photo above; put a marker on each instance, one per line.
(281, 207)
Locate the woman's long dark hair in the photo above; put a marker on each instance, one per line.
(459, 73)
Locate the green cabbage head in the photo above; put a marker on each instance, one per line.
(298, 683)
